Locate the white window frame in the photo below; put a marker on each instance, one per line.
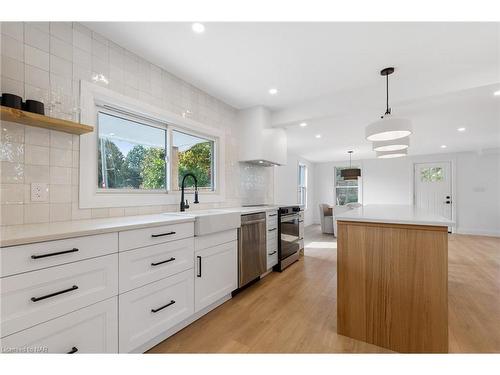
(92, 98)
(302, 188)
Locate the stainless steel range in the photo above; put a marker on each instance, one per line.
(289, 236)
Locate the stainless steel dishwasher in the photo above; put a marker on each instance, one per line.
(251, 248)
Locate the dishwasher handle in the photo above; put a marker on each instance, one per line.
(251, 222)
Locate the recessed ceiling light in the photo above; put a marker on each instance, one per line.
(261, 162)
(198, 28)
(303, 124)
(461, 129)
(273, 91)
(497, 93)
(318, 135)
(443, 146)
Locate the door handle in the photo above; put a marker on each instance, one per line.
(448, 202)
(199, 266)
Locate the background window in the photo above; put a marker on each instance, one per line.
(303, 185)
(433, 174)
(192, 154)
(346, 191)
(131, 155)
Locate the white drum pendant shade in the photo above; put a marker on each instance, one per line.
(389, 128)
(393, 145)
(392, 154)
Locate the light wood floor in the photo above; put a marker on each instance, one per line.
(295, 311)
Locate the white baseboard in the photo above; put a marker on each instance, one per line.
(165, 335)
(478, 232)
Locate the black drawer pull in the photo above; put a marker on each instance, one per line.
(56, 253)
(273, 215)
(162, 234)
(274, 252)
(36, 299)
(73, 350)
(199, 266)
(270, 230)
(164, 261)
(161, 308)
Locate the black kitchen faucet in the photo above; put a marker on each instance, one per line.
(184, 204)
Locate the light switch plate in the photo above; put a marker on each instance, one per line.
(39, 192)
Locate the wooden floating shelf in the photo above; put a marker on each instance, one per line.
(41, 121)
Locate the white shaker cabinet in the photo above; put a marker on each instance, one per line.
(216, 269)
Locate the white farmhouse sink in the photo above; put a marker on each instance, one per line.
(212, 221)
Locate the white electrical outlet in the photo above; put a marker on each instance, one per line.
(39, 192)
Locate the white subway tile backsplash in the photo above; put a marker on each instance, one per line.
(36, 57)
(97, 213)
(12, 68)
(36, 173)
(37, 136)
(12, 173)
(36, 93)
(61, 67)
(12, 152)
(36, 155)
(36, 213)
(12, 214)
(11, 132)
(60, 157)
(59, 212)
(42, 26)
(36, 77)
(100, 50)
(12, 86)
(60, 193)
(82, 40)
(61, 140)
(13, 29)
(60, 175)
(12, 48)
(11, 194)
(82, 58)
(61, 49)
(35, 37)
(62, 30)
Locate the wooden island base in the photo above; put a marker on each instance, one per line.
(393, 285)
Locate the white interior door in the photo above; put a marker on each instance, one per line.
(433, 188)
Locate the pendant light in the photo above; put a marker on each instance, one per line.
(392, 154)
(388, 128)
(350, 173)
(397, 144)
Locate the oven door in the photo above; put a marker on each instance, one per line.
(289, 235)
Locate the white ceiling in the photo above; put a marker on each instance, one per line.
(328, 75)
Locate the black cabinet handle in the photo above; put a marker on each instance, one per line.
(36, 299)
(273, 215)
(162, 234)
(274, 252)
(199, 266)
(270, 230)
(164, 261)
(73, 350)
(56, 253)
(161, 308)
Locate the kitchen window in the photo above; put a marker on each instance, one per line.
(193, 154)
(303, 185)
(346, 191)
(131, 154)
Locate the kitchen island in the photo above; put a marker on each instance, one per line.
(392, 277)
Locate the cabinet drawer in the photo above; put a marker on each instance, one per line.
(272, 221)
(148, 311)
(272, 238)
(93, 329)
(35, 297)
(214, 239)
(151, 263)
(131, 239)
(272, 258)
(24, 258)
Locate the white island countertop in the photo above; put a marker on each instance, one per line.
(393, 214)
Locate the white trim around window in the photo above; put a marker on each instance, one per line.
(91, 97)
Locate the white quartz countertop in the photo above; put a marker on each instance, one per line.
(31, 233)
(393, 214)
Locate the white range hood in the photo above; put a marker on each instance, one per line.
(260, 143)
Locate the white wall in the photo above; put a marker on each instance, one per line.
(286, 185)
(476, 186)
